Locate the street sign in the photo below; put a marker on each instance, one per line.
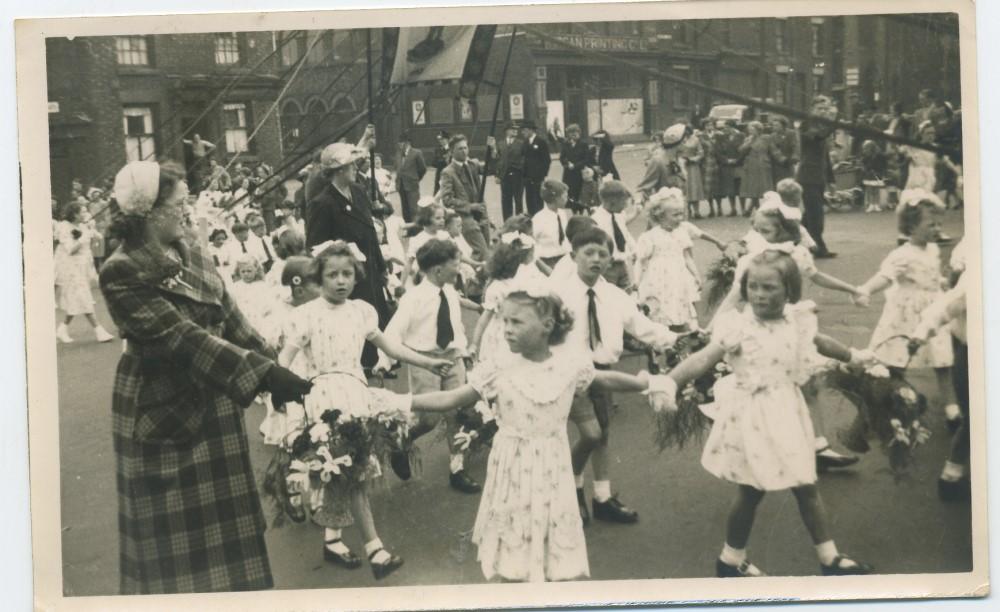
(418, 113)
(516, 107)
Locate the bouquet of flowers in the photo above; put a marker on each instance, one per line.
(889, 411)
(337, 449)
(477, 425)
(688, 422)
(721, 273)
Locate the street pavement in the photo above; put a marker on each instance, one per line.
(900, 528)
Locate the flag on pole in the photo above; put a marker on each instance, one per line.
(442, 53)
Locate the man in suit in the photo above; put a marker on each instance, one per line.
(460, 182)
(410, 168)
(815, 171)
(442, 157)
(537, 160)
(509, 153)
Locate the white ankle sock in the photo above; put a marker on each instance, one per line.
(826, 552)
(953, 472)
(733, 556)
(457, 463)
(376, 551)
(952, 412)
(578, 478)
(602, 490)
(339, 547)
(821, 442)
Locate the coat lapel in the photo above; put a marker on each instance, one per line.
(192, 280)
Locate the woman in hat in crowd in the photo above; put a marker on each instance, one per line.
(693, 155)
(343, 211)
(758, 154)
(605, 155)
(664, 169)
(189, 519)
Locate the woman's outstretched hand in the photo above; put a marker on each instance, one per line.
(285, 386)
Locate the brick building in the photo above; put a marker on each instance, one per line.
(119, 98)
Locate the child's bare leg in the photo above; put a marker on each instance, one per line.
(362, 512)
(741, 516)
(590, 438)
(813, 512)
(946, 390)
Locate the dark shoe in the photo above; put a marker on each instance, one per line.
(348, 559)
(827, 458)
(400, 463)
(614, 511)
(954, 490)
(835, 568)
(461, 481)
(581, 501)
(743, 570)
(381, 570)
(825, 255)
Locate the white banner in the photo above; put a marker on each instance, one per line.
(516, 107)
(431, 54)
(622, 116)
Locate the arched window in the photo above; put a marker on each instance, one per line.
(343, 104)
(291, 120)
(315, 120)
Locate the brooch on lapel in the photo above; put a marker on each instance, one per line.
(171, 282)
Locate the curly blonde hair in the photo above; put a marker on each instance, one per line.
(548, 305)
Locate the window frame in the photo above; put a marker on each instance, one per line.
(220, 54)
(148, 136)
(145, 52)
(233, 144)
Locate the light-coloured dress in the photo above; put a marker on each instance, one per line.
(916, 278)
(922, 169)
(666, 286)
(528, 527)
(762, 435)
(277, 426)
(74, 269)
(332, 336)
(256, 301)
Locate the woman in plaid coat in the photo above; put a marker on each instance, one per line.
(189, 517)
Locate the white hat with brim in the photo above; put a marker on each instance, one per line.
(340, 154)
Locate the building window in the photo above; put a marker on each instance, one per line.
(653, 92)
(781, 44)
(817, 38)
(140, 143)
(682, 95)
(234, 118)
(291, 117)
(227, 49)
(132, 50)
(541, 92)
(293, 50)
(817, 85)
(682, 33)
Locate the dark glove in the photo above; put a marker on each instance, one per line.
(285, 385)
(76, 234)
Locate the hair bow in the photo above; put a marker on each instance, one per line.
(913, 197)
(426, 201)
(524, 240)
(329, 244)
(781, 247)
(136, 187)
(772, 201)
(667, 194)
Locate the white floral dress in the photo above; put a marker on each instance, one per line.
(331, 336)
(277, 426)
(666, 286)
(74, 269)
(256, 301)
(528, 527)
(916, 278)
(762, 435)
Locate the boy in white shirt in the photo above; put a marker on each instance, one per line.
(602, 314)
(565, 268)
(548, 226)
(429, 321)
(614, 199)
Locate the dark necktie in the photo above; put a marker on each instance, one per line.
(267, 251)
(593, 323)
(445, 333)
(618, 235)
(215, 258)
(472, 182)
(243, 245)
(562, 234)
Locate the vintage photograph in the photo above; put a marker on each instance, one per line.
(437, 298)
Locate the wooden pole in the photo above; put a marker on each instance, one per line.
(371, 116)
(496, 109)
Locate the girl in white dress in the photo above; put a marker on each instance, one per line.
(528, 527)
(668, 277)
(74, 273)
(330, 332)
(762, 437)
(430, 217)
(251, 293)
(911, 276)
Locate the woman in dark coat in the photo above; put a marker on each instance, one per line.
(189, 518)
(575, 155)
(342, 211)
(605, 155)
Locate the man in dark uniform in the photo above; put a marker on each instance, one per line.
(537, 160)
(815, 171)
(509, 153)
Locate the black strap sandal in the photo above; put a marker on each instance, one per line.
(381, 570)
(348, 559)
(837, 568)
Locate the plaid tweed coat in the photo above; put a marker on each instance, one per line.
(189, 517)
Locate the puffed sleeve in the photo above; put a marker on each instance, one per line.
(727, 330)
(296, 329)
(693, 231)
(483, 379)
(585, 375)
(958, 257)
(804, 315)
(644, 246)
(369, 319)
(894, 265)
(494, 295)
(804, 260)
